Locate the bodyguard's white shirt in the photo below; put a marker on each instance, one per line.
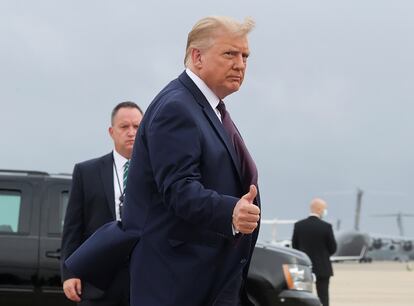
(119, 161)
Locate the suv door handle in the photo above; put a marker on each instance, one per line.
(53, 254)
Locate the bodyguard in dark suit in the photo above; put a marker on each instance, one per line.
(95, 199)
(192, 199)
(315, 237)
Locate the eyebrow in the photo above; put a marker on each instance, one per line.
(236, 50)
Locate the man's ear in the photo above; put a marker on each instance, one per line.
(196, 58)
(110, 131)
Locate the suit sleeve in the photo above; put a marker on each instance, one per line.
(73, 225)
(331, 241)
(175, 147)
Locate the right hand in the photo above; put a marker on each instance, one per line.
(245, 214)
(73, 289)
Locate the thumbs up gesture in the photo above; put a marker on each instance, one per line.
(245, 213)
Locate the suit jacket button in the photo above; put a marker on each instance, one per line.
(243, 261)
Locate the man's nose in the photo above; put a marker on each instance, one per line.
(239, 62)
(132, 131)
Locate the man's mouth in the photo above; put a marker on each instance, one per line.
(234, 78)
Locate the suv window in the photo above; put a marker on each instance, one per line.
(58, 201)
(64, 198)
(10, 203)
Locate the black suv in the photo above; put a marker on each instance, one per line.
(32, 208)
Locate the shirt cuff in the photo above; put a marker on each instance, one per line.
(234, 230)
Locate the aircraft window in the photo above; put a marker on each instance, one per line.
(10, 203)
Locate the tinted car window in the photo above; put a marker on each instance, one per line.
(58, 195)
(10, 203)
(63, 204)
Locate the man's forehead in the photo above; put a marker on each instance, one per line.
(233, 43)
(127, 111)
(127, 115)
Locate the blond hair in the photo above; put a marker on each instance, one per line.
(204, 32)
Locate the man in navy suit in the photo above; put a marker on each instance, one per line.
(192, 186)
(95, 199)
(315, 237)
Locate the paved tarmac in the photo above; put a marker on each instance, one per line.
(372, 284)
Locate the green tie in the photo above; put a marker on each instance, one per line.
(126, 167)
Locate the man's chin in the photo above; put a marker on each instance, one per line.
(233, 88)
(129, 148)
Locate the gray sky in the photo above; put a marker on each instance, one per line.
(326, 106)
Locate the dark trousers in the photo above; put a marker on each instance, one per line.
(322, 288)
(116, 295)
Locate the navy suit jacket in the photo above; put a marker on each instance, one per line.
(184, 181)
(315, 237)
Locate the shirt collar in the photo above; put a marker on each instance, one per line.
(119, 159)
(212, 99)
(314, 215)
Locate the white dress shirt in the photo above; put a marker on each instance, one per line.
(118, 168)
(212, 99)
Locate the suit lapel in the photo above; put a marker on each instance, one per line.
(218, 126)
(107, 178)
(212, 117)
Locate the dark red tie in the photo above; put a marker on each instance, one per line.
(248, 167)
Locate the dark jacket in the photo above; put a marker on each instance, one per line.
(315, 237)
(91, 205)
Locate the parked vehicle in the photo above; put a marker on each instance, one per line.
(32, 208)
